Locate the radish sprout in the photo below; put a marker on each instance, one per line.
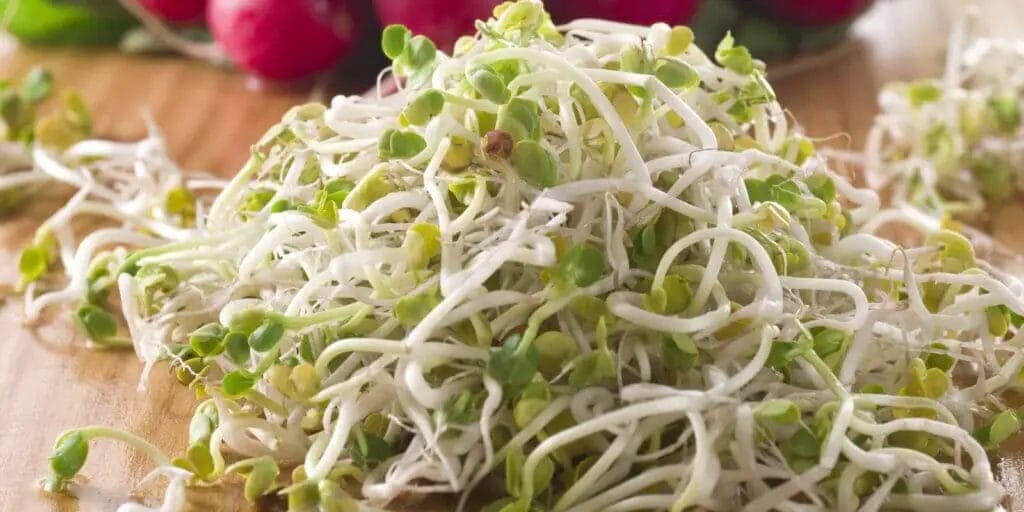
(589, 264)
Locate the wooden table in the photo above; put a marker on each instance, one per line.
(52, 382)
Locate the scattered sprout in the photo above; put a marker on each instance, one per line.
(950, 145)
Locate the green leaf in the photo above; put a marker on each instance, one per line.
(422, 243)
(805, 149)
(199, 456)
(998, 318)
(646, 252)
(304, 496)
(98, 324)
(923, 91)
(338, 189)
(69, 454)
(995, 175)
(460, 409)
(189, 370)
(673, 297)
(267, 335)
(656, 301)
(803, 444)
(33, 263)
(367, 447)
(247, 320)
(333, 498)
(37, 85)
(534, 398)
(633, 59)
(757, 190)
(262, 478)
(420, 52)
(514, 462)
(520, 118)
(256, 200)
(181, 202)
(459, 155)
(424, 106)
(938, 357)
(372, 187)
(732, 57)
(400, 144)
(489, 85)
(828, 341)
(554, 349)
(678, 351)
(98, 282)
(157, 277)
(782, 353)
(526, 410)
(237, 383)
(393, 40)
(926, 382)
(542, 475)
(237, 345)
(208, 339)
(956, 251)
(461, 190)
(522, 19)
(1003, 426)
(581, 266)
(203, 423)
(592, 368)
(588, 308)
(778, 410)
(679, 39)
(411, 309)
(513, 370)
(323, 210)
(822, 187)
(535, 164)
(677, 74)
(1006, 111)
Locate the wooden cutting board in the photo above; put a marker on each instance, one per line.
(51, 382)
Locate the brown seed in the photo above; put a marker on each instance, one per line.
(498, 144)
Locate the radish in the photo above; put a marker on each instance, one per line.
(176, 11)
(284, 39)
(641, 12)
(443, 21)
(811, 12)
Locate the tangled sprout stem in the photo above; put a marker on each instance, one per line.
(589, 265)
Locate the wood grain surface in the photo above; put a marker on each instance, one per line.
(49, 381)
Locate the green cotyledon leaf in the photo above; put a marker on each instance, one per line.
(512, 369)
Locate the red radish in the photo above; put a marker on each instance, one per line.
(641, 12)
(284, 39)
(176, 11)
(812, 12)
(443, 21)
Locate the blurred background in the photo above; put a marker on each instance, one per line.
(286, 40)
(238, 64)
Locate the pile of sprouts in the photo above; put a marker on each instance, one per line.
(21, 125)
(571, 268)
(954, 144)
